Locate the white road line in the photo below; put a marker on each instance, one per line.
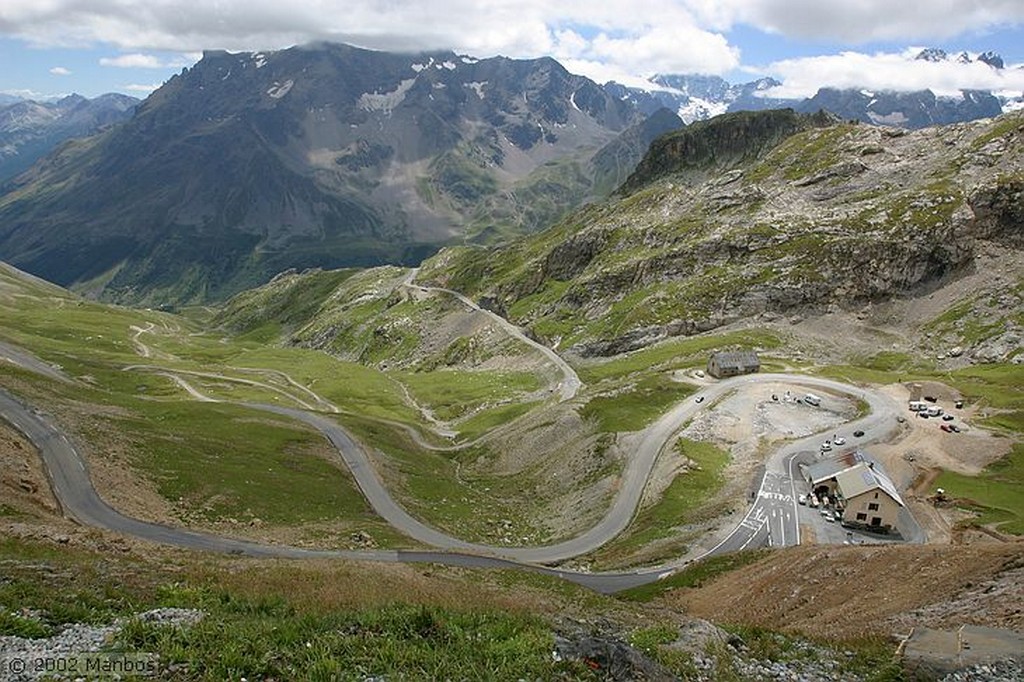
(754, 535)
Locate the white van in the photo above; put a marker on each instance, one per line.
(812, 399)
(934, 410)
(918, 405)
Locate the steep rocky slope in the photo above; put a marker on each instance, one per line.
(832, 217)
(848, 592)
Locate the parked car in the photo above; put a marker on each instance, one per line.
(922, 415)
(858, 433)
(958, 404)
(840, 441)
(947, 417)
(930, 398)
(954, 428)
(802, 499)
(813, 500)
(825, 447)
(945, 427)
(699, 399)
(901, 419)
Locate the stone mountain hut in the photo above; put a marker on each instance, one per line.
(733, 363)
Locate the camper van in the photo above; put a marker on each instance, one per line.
(812, 399)
(918, 405)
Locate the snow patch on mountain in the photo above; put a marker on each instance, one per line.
(387, 101)
(279, 90)
(698, 109)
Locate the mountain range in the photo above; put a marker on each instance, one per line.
(698, 97)
(29, 129)
(323, 155)
(328, 155)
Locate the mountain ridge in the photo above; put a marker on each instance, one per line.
(313, 156)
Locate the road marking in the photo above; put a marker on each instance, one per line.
(754, 535)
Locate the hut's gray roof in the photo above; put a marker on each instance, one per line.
(736, 358)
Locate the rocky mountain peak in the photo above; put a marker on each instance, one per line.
(721, 143)
(992, 59)
(932, 54)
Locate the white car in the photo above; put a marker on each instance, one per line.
(802, 499)
(840, 441)
(825, 447)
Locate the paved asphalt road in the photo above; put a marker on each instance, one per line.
(30, 362)
(570, 384)
(771, 520)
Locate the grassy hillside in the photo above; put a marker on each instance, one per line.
(217, 464)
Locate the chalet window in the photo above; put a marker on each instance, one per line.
(873, 506)
(861, 516)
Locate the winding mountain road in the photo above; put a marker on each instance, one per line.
(772, 516)
(570, 384)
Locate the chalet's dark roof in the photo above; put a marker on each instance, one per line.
(736, 358)
(854, 475)
(828, 468)
(864, 478)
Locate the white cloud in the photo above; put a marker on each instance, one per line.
(141, 87)
(658, 50)
(607, 40)
(133, 61)
(888, 71)
(656, 35)
(60, 71)
(859, 21)
(25, 93)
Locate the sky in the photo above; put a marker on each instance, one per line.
(50, 48)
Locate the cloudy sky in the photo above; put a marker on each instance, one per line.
(53, 47)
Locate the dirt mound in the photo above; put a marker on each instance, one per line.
(850, 591)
